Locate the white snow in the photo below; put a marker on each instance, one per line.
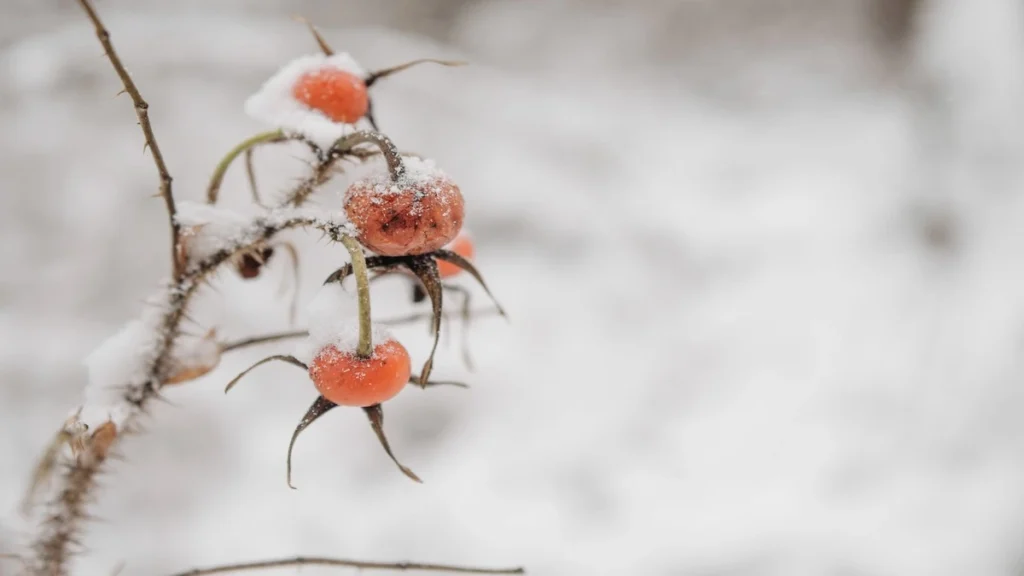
(333, 320)
(194, 355)
(274, 104)
(209, 229)
(420, 173)
(730, 351)
(119, 362)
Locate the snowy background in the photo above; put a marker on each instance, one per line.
(763, 260)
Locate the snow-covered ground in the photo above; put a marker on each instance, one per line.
(732, 350)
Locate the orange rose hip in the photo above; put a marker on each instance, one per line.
(339, 95)
(348, 380)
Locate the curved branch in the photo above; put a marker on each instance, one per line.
(246, 145)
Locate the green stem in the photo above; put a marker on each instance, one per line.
(355, 250)
(222, 167)
(388, 149)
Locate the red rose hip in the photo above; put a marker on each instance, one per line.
(415, 215)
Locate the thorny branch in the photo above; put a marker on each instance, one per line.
(66, 510)
(78, 481)
(142, 111)
(360, 565)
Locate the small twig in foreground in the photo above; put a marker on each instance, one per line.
(257, 340)
(267, 338)
(361, 565)
(142, 111)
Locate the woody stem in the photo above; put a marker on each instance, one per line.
(388, 149)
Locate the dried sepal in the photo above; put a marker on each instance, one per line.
(319, 407)
(431, 383)
(452, 257)
(102, 439)
(426, 270)
(250, 263)
(376, 415)
(324, 47)
(376, 75)
(181, 251)
(277, 357)
(205, 357)
(376, 263)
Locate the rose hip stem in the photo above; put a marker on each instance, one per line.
(396, 168)
(244, 146)
(355, 250)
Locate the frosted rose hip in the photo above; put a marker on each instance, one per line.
(348, 380)
(405, 218)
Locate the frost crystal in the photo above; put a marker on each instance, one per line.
(333, 320)
(275, 105)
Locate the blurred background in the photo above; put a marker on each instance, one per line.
(762, 260)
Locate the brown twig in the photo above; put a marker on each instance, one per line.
(142, 111)
(267, 338)
(324, 46)
(340, 563)
(376, 75)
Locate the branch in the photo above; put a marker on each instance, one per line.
(66, 510)
(411, 318)
(142, 111)
(361, 565)
(257, 340)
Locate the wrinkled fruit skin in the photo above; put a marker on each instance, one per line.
(462, 246)
(347, 380)
(414, 220)
(339, 95)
